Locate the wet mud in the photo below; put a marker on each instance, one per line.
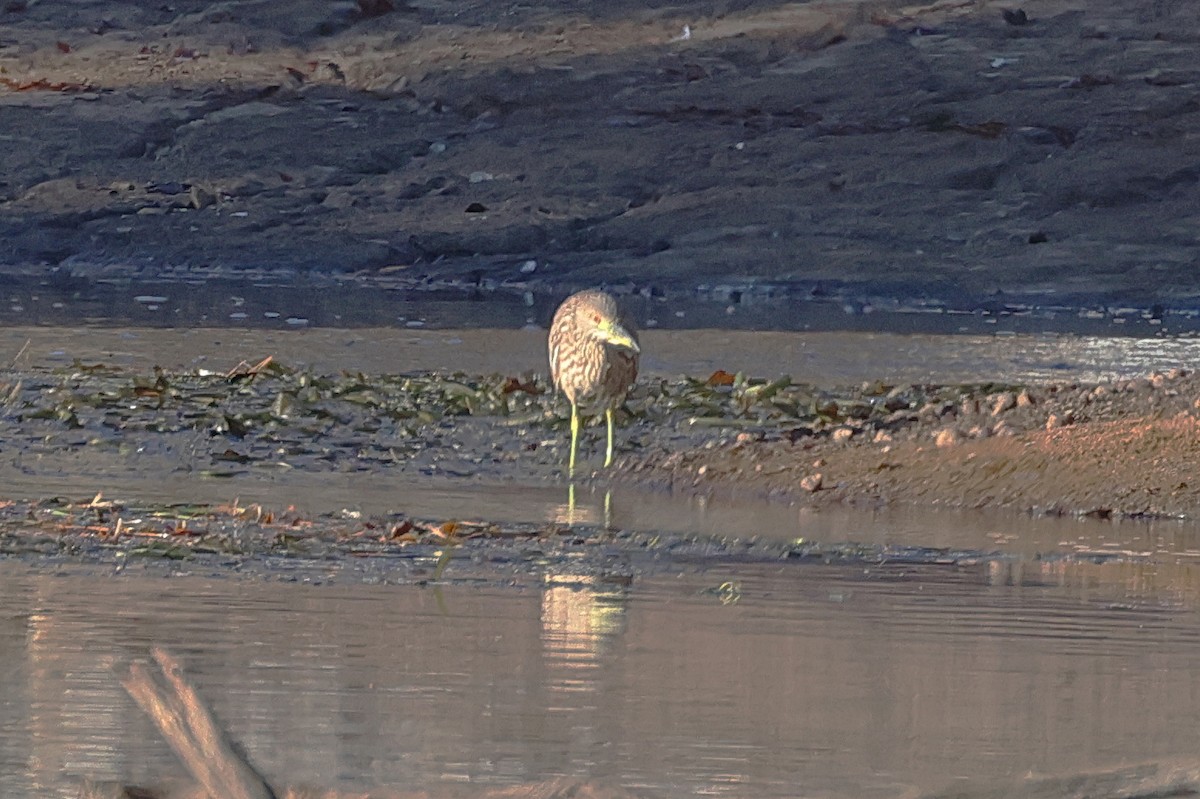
(977, 158)
(280, 435)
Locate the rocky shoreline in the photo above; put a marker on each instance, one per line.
(1110, 450)
(1115, 449)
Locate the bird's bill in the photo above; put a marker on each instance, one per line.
(613, 333)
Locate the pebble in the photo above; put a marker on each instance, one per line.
(201, 198)
(1025, 400)
(1056, 420)
(811, 483)
(947, 437)
(1002, 402)
(842, 435)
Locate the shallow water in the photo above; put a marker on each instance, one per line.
(819, 358)
(1034, 645)
(793, 680)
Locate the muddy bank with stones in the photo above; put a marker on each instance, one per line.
(1123, 448)
(881, 153)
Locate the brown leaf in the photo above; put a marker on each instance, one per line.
(720, 378)
(513, 384)
(244, 370)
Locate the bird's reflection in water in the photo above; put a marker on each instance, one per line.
(572, 513)
(581, 615)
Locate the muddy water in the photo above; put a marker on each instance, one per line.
(1043, 646)
(794, 680)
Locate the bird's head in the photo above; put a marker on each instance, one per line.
(603, 324)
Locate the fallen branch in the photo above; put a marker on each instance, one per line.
(221, 771)
(189, 727)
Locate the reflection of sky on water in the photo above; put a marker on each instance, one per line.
(853, 358)
(1121, 358)
(819, 358)
(845, 680)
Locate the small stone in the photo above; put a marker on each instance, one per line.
(946, 438)
(969, 407)
(1158, 380)
(826, 408)
(1002, 402)
(811, 483)
(1176, 373)
(1097, 393)
(201, 198)
(1015, 16)
(745, 438)
(882, 437)
(1003, 428)
(842, 435)
(979, 431)
(1059, 420)
(818, 463)
(701, 471)
(935, 410)
(1025, 400)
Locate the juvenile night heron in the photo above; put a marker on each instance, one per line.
(593, 359)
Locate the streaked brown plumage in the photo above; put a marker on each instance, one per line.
(593, 359)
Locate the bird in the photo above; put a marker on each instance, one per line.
(593, 359)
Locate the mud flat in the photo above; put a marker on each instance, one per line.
(278, 435)
(873, 152)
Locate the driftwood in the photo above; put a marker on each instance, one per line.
(221, 771)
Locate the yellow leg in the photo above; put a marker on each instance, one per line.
(574, 439)
(608, 453)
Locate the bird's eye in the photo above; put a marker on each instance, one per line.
(596, 318)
